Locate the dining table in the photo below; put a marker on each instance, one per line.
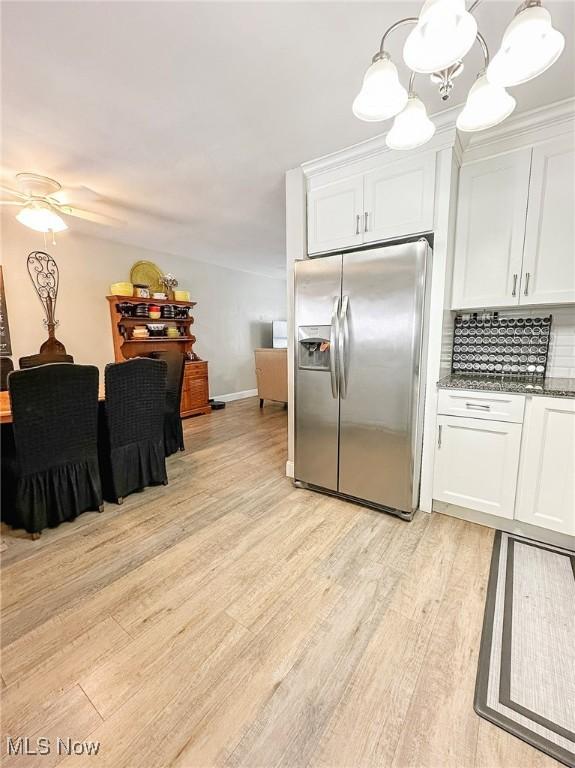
(6, 408)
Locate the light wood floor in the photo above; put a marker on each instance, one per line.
(232, 620)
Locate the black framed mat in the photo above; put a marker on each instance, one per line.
(526, 671)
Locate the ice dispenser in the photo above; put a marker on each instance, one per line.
(314, 347)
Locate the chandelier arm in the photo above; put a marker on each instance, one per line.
(400, 23)
(410, 87)
(473, 6)
(479, 37)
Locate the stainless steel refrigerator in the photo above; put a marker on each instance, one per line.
(359, 347)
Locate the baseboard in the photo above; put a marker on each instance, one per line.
(289, 469)
(504, 524)
(236, 395)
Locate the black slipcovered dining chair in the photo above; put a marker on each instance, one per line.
(33, 361)
(51, 473)
(6, 367)
(131, 444)
(173, 433)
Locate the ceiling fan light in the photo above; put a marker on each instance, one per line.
(487, 105)
(411, 127)
(444, 34)
(41, 218)
(382, 96)
(530, 45)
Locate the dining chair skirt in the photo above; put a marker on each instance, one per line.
(131, 444)
(50, 459)
(173, 432)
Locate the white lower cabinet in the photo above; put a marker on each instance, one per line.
(476, 464)
(547, 476)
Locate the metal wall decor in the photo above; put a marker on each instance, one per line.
(45, 277)
(501, 346)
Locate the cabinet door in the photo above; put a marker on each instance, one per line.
(335, 215)
(546, 494)
(491, 211)
(476, 464)
(195, 389)
(398, 199)
(548, 257)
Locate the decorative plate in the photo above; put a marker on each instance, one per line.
(147, 273)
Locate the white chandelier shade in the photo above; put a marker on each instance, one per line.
(443, 35)
(440, 37)
(530, 45)
(382, 96)
(411, 127)
(487, 105)
(40, 217)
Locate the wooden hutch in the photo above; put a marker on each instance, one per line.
(195, 388)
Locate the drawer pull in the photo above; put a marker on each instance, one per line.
(478, 406)
(439, 435)
(357, 220)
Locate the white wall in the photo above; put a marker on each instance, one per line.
(233, 316)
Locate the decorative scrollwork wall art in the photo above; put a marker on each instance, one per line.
(45, 277)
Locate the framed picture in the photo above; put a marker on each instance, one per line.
(5, 343)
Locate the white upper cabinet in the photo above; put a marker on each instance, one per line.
(394, 200)
(515, 233)
(546, 487)
(549, 253)
(335, 215)
(492, 207)
(398, 199)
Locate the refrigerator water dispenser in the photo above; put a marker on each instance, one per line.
(313, 347)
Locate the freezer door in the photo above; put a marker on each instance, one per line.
(383, 294)
(317, 306)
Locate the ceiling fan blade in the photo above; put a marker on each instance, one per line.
(79, 213)
(13, 192)
(81, 194)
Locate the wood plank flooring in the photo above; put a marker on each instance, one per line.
(232, 620)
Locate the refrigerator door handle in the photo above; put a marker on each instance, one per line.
(333, 348)
(343, 348)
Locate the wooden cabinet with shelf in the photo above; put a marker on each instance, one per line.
(195, 388)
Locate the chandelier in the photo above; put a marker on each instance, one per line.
(443, 34)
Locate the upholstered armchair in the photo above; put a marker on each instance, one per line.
(271, 372)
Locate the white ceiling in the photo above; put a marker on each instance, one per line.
(187, 114)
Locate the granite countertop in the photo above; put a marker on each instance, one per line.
(549, 386)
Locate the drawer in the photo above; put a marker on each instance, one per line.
(196, 391)
(197, 370)
(496, 406)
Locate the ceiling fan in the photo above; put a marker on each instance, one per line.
(40, 208)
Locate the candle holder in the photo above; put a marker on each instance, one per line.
(45, 278)
(169, 282)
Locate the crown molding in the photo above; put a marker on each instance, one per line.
(445, 136)
(556, 114)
